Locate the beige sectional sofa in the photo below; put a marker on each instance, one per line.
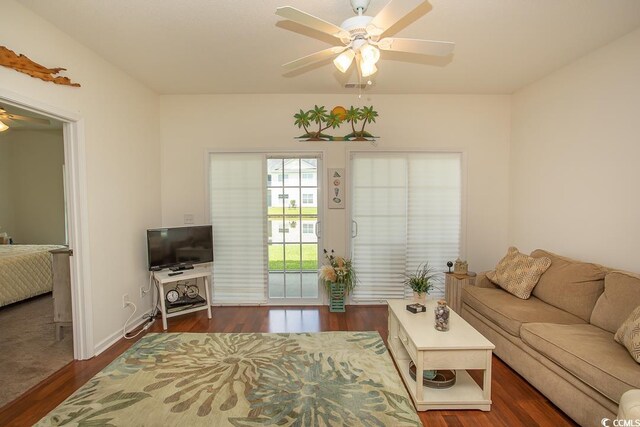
(561, 339)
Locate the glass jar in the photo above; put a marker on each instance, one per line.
(442, 316)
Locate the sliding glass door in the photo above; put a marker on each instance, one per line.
(264, 212)
(292, 226)
(407, 211)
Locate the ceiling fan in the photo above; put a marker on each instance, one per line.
(7, 119)
(361, 36)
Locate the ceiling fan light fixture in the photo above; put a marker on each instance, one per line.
(3, 127)
(367, 68)
(344, 60)
(370, 54)
(361, 36)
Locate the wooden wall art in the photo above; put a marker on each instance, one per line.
(21, 63)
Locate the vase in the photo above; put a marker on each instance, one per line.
(442, 316)
(337, 296)
(420, 297)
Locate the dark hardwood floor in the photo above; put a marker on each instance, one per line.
(515, 402)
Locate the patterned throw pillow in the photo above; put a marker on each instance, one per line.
(629, 334)
(518, 273)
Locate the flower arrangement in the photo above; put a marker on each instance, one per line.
(338, 270)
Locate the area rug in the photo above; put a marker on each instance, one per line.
(187, 379)
(29, 351)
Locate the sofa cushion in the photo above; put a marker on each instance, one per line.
(510, 312)
(620, 297)
(518, 273)
(571, 285)
(482, 281)
(629, 334)
(588, 352)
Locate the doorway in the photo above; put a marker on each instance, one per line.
(293, 234)
(76, 216)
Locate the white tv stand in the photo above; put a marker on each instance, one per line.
(162, 278)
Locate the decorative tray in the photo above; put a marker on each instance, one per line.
(442, 378)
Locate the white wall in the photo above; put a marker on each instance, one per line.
(35, 185)
(122, 155)
(480, 125)
(575, 159)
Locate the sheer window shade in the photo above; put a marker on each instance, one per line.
(237, 206)
(407, 207)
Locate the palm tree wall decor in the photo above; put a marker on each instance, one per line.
(320, 117)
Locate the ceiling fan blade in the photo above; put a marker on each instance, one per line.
(394, 11)
(16, 117)
(303, 18)
(422, 47)
(314, 57)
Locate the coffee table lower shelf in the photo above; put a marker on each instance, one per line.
(464, 394)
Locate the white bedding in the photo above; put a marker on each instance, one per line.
(25, 271)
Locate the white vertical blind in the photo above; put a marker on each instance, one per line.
(407, 207)
(379, 209)
(434, 211)
(237, 214)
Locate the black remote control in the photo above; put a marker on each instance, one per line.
(175, 273)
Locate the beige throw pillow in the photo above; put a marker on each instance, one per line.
(629, 334)
(518, 273)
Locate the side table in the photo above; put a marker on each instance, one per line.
(162, 278)
(61, 274)
(453, 288)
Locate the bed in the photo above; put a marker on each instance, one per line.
(25, 271)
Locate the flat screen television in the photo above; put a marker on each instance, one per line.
(179, 246)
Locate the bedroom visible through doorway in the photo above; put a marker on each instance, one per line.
(35, 288)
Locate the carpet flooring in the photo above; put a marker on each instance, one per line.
(29, 352)
(245, 379)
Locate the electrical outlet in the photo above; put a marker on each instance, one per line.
(188, 218)
(125, 300)
(143, 292)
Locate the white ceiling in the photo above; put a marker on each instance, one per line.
(237, 46)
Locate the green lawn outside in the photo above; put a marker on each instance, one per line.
(309, 257)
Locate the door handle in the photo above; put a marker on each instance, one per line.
(354, 229)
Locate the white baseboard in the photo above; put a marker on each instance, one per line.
(117, 336)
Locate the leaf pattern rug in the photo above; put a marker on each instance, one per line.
(249, 379)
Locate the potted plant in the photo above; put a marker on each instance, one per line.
(339, 279)
(422, 281)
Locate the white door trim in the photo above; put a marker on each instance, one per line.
(77, 212)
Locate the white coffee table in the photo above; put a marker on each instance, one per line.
(412, 337)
